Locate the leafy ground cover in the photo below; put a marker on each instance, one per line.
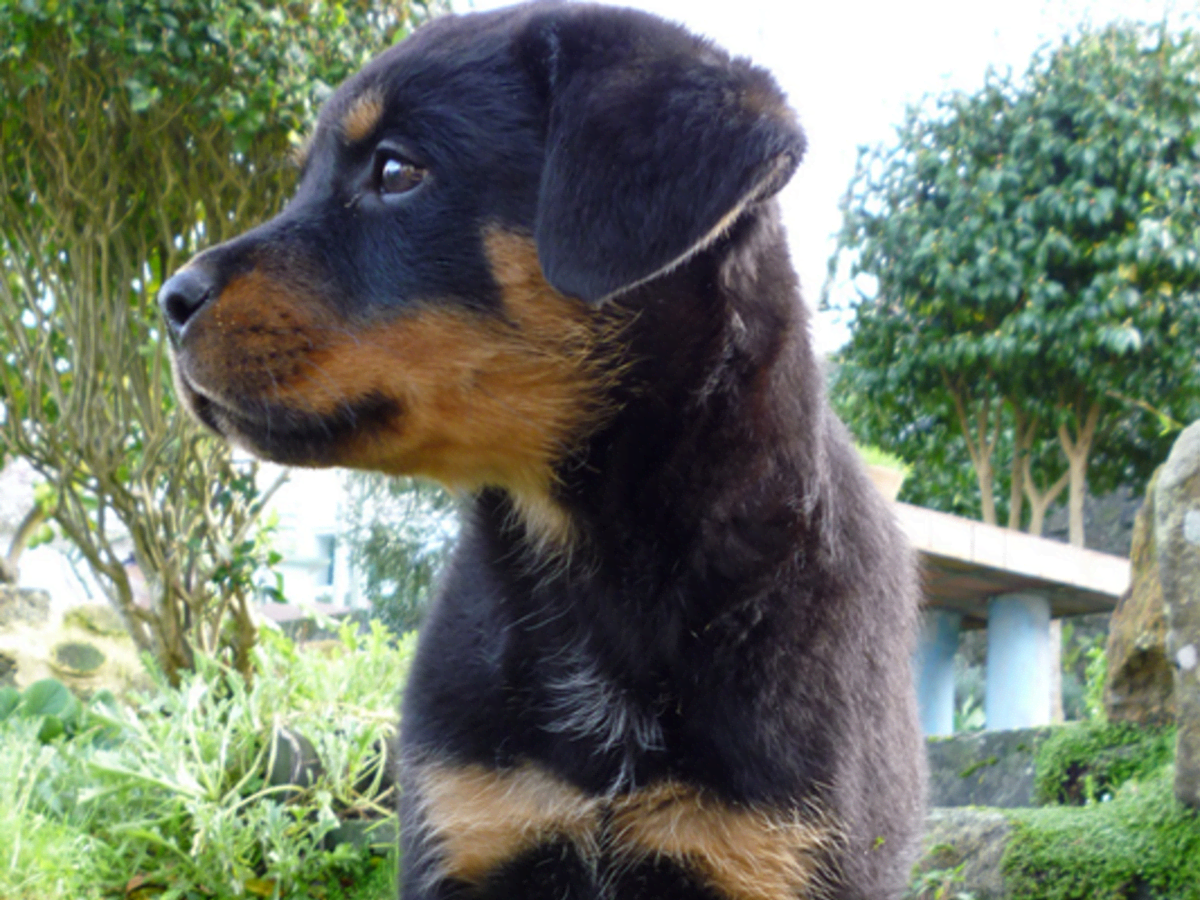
(1110, 828)
(168, 795)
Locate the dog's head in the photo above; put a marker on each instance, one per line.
(433, 299)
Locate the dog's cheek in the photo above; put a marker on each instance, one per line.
(255, 340)
(488, 398)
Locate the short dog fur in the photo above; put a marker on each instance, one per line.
(534, 254)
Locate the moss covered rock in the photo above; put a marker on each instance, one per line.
(1140, 683)
(77, 658)
(1177, 535)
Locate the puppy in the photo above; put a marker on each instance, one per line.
(534, 255)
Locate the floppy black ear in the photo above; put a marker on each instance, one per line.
(656, 142)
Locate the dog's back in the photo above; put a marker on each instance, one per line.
(537, 257)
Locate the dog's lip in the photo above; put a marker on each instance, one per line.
(202, 404)
(286, 435)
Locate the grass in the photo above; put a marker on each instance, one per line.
(168, 796)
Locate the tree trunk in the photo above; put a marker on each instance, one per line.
(1039, 501)
(987, 496)
(9, 565)
(1023, 431)
(1077, 450)
(981, 434)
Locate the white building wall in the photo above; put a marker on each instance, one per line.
(315, 566)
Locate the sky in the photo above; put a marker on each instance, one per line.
(850, 69)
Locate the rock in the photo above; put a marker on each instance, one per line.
(77, 658)
(984, 768)
(963, 849)
(37, 653)
(8, 670)
(295, 763)
(98, 618)
(1140, 686)
(23, 605)
(1177, 534)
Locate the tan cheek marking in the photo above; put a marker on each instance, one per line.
(481, 818)
(489, 400)
(745, 854)
(482, 399)
(363, 115)
(255, 337)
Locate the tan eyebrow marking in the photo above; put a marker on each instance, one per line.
(363, 115)
(301, 151)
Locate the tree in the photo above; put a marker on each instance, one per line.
(1029, 257)
(133, 135)
(398, 531)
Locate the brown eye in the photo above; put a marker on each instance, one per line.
(398, 176)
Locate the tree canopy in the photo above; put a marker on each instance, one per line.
(1028, 260)
(131, 136)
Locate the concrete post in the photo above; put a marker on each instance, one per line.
(935, 669)
(1018, 661)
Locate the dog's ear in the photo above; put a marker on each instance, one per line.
(656, 142)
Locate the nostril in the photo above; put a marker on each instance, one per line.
(183, 295)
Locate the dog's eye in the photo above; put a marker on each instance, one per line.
(398, 176)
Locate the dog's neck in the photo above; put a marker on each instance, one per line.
(711, 340)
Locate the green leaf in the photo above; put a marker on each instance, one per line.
(10, 699)
(52, 727)
(48, 697)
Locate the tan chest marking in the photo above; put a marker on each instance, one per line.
(481, 818)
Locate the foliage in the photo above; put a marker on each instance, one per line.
(1027, 258)
(969, 715)
(399, 530)
(55, 710)
(1141, 843)
(938, 884)
(873, 456)
(175, 804)
(1084, 666)
(1086, 762)
(131, 136)
(1096, 675)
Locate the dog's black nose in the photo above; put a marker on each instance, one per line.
(183, 295)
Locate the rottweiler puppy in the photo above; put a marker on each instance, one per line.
(534, 254)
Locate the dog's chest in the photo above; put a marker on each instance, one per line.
(587, 707)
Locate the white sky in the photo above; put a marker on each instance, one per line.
(851, 68)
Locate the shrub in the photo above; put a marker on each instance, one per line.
(175, 802)
(1140, 844)
(1086, 762)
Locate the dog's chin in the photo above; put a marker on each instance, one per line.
(280, 434)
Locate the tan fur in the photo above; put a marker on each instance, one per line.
(746, 854)
(363, 115)
(302, 150)
(481, 818)
(482, 399)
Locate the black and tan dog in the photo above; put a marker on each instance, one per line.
(534, 255)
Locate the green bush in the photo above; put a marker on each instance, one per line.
(1086, 762)
(56, 711)
(1141, 844)
(176, 801)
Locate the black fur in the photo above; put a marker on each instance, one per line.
(696, 663)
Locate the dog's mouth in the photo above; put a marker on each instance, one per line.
(280, 433)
